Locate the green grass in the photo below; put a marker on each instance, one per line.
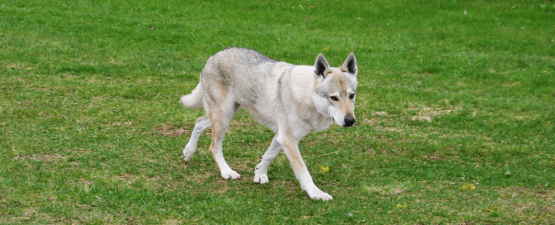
(91, 130)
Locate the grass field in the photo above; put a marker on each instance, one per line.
(455, 112)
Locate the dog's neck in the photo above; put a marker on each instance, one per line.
(305, 107)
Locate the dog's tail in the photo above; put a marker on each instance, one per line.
(193, 100)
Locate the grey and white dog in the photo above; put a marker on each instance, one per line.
(290, 100)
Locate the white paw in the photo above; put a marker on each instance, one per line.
(230, 174)
(261, 178)
(320, 195)
(188, 154)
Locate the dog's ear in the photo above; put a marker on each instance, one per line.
(321, 66)
(350, 64)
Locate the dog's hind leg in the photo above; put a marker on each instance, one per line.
(202, 124)
(261, 170)
(221, 117)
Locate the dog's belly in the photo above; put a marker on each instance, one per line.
(272, 125)
(267, 119)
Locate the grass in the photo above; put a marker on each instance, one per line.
(455, 112)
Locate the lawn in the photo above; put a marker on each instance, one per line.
(455, 112)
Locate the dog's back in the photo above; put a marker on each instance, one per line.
(246, 77)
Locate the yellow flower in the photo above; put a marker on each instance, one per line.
(324, 169)
(326, 48)
(401, 206)
(493, 209)
(469, 187)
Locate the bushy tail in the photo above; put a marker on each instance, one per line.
(193, 100)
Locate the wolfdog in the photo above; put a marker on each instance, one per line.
(290, 100)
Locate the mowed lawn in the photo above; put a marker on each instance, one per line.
(455, 112)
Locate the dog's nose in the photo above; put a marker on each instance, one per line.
(349, 120)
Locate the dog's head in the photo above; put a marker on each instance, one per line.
(335, 92)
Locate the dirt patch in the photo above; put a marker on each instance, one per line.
(437, 111)
(439, 154)
(116, 62)
(170, 131)
(379, 113)
(86, 182)
(434, 110)
(21, 218)
(427, 113)
(17, 66)
(40, 157)
(421, 118)
(372, 122)
(115, 124)
(51, 157)
(172, 222)
(432, 156)
(511, 84)
(29, 211)
(125, 177)
(20, 157)
(388, 190)
(391, 129)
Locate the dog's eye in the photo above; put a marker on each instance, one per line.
(351, 96)
(334, 98)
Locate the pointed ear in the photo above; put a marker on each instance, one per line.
(350, 64)
(321, 66)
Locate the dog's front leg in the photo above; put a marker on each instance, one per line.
(261, 170)
(291, 149)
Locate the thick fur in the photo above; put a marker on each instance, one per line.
(193, 100)
(291, 100)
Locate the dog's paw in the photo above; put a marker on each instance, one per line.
(320, 195)
(187, 159)
(188, 154)
(230, 175)
(261, 178)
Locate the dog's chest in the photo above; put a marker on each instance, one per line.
(320, 122)
(310, 120)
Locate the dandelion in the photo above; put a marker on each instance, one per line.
(494, 209)
(324, 169)
(469, 187)
(401, 206)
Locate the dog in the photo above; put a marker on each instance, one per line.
(291, 100)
